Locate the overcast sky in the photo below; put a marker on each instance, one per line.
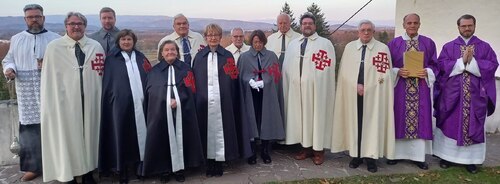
(248, 10)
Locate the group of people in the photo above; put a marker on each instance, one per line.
(95, 101)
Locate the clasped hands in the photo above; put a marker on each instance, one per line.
(256, 84)
(405, 73)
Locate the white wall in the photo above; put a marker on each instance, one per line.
(439, 19)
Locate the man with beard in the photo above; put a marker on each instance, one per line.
(309, 90)
(238, 46)
(465, 97)
(71, 103)
(23, 62)
(106, 36)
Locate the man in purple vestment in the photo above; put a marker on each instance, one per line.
(466, 96)
(412, 99)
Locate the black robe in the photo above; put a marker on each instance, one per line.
(118, 143)
(234, 147)
(157, 159)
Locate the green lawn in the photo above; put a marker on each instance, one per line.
(453, 175)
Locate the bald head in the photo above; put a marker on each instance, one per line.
(411, 23)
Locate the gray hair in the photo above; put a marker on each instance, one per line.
(33, 7)
(366, 22)
(76, 14)
(418, 16)
(180, 15)
(285, 14)
(235, 29)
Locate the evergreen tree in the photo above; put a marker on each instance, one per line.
(286, 9)
(322, 27)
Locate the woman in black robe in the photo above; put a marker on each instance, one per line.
(217, 103)
(173, 141)
(123, 125)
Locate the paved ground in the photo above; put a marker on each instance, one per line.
(285, 168)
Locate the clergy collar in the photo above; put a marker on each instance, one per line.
(369, 45)
(254, 52)
(466, 40)
(72, 42)
(406, 37)
(42, 31)
(312, 37)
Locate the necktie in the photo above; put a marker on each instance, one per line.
(80, 56)
(259, 65)
(187, 50)
(107, 41)
(282, 55)
(302, 50)
(361, 76)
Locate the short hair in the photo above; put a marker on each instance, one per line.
(213, 28)
(466, 16)
(33, 7)
(160, 57)
(285, 14)
(123, 33)
(76, 14)
(366, 22)
(260, 34)
(107, 10)
(180, 15)
(307, 15)
(418, 16)
(236, 28)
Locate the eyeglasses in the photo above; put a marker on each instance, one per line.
(73, 24)
(466, 26)
(37, 17)
(212, 36)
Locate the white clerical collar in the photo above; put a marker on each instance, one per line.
(406, 37)
(466, 40)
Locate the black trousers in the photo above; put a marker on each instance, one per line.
(360, 123)
(31, 148)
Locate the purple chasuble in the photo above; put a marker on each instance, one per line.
(464, 100)
(412, 111)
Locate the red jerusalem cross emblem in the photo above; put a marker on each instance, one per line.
(381, 62)
(98, 63)
(231, 69)
(189, 81)
(321, 60)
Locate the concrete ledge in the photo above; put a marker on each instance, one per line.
(8, 115)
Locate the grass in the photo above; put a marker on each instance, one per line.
(454, 175)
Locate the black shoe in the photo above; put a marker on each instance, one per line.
(444, 164)
(210, 167)
(165, 178)
(471, 168)
(392, 162)
(370, 165)
(179, 176)
(422, 165)
(252, 159)
(355, 162)
(266, 158)
(218, 171)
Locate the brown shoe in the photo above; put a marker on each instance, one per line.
(28, 176)
(304, 153)
(319, 157)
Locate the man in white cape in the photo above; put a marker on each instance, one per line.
(70, 103)
(278, 42)
(309, 90)
(364, 119)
